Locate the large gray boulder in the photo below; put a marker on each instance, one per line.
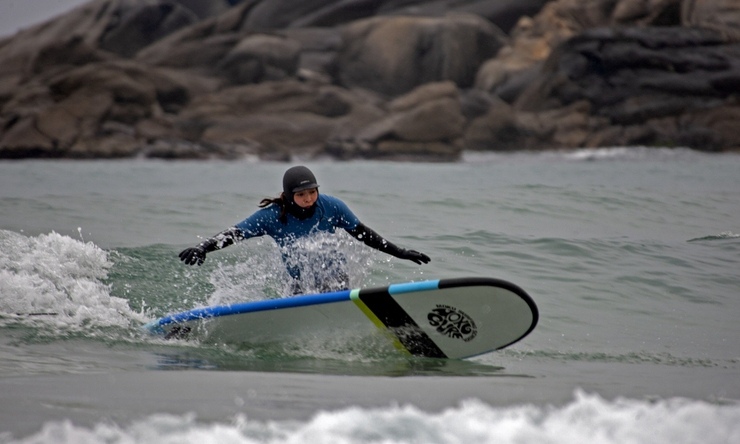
(89, 111)
(426, 123)
(97, 30)
(393, 55)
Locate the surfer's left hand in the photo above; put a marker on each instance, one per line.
(415, 256)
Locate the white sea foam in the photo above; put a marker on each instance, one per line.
(588, 418)
(60, 277)
(627, 153)
(721, 236)
(589, 154)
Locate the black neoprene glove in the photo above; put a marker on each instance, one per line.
(413, 256)
(193, 255)
(197, 255)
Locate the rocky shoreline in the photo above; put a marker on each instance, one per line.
(370, 79)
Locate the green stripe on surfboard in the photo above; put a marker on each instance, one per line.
(355, 296)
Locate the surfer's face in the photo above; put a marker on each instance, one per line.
(306, 198)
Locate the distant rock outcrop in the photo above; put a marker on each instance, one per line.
(616, 73)
(394, 79)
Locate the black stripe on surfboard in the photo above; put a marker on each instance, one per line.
(395, 318)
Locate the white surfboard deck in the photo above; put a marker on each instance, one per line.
(447, 318)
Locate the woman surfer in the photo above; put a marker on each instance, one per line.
(298, 212)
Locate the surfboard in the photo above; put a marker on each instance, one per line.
(447, 318)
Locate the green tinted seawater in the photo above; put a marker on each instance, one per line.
(631, 256)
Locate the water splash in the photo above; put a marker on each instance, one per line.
(257, 271)
(59, 278)
(252, 272)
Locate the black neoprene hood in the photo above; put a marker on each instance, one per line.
(298, 178)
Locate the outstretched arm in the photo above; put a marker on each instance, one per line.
(372, 239)
(197, 254)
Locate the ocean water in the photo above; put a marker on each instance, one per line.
(631, 254)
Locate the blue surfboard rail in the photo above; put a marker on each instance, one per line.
(247, 307)
(411, 287)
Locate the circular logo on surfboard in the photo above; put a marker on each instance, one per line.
(452, 323)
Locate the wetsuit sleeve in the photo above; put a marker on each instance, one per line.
(223, 239)
(372, 239)
(197, 255)
(255, 225)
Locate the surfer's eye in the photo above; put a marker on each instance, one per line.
(306, 193)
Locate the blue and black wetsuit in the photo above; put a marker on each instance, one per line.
(289, 225)
(329, 214)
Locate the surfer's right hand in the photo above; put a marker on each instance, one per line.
(193, 255)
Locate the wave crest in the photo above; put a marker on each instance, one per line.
(59, 280)
(588, 418)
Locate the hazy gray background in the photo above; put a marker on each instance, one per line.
(18, 14)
